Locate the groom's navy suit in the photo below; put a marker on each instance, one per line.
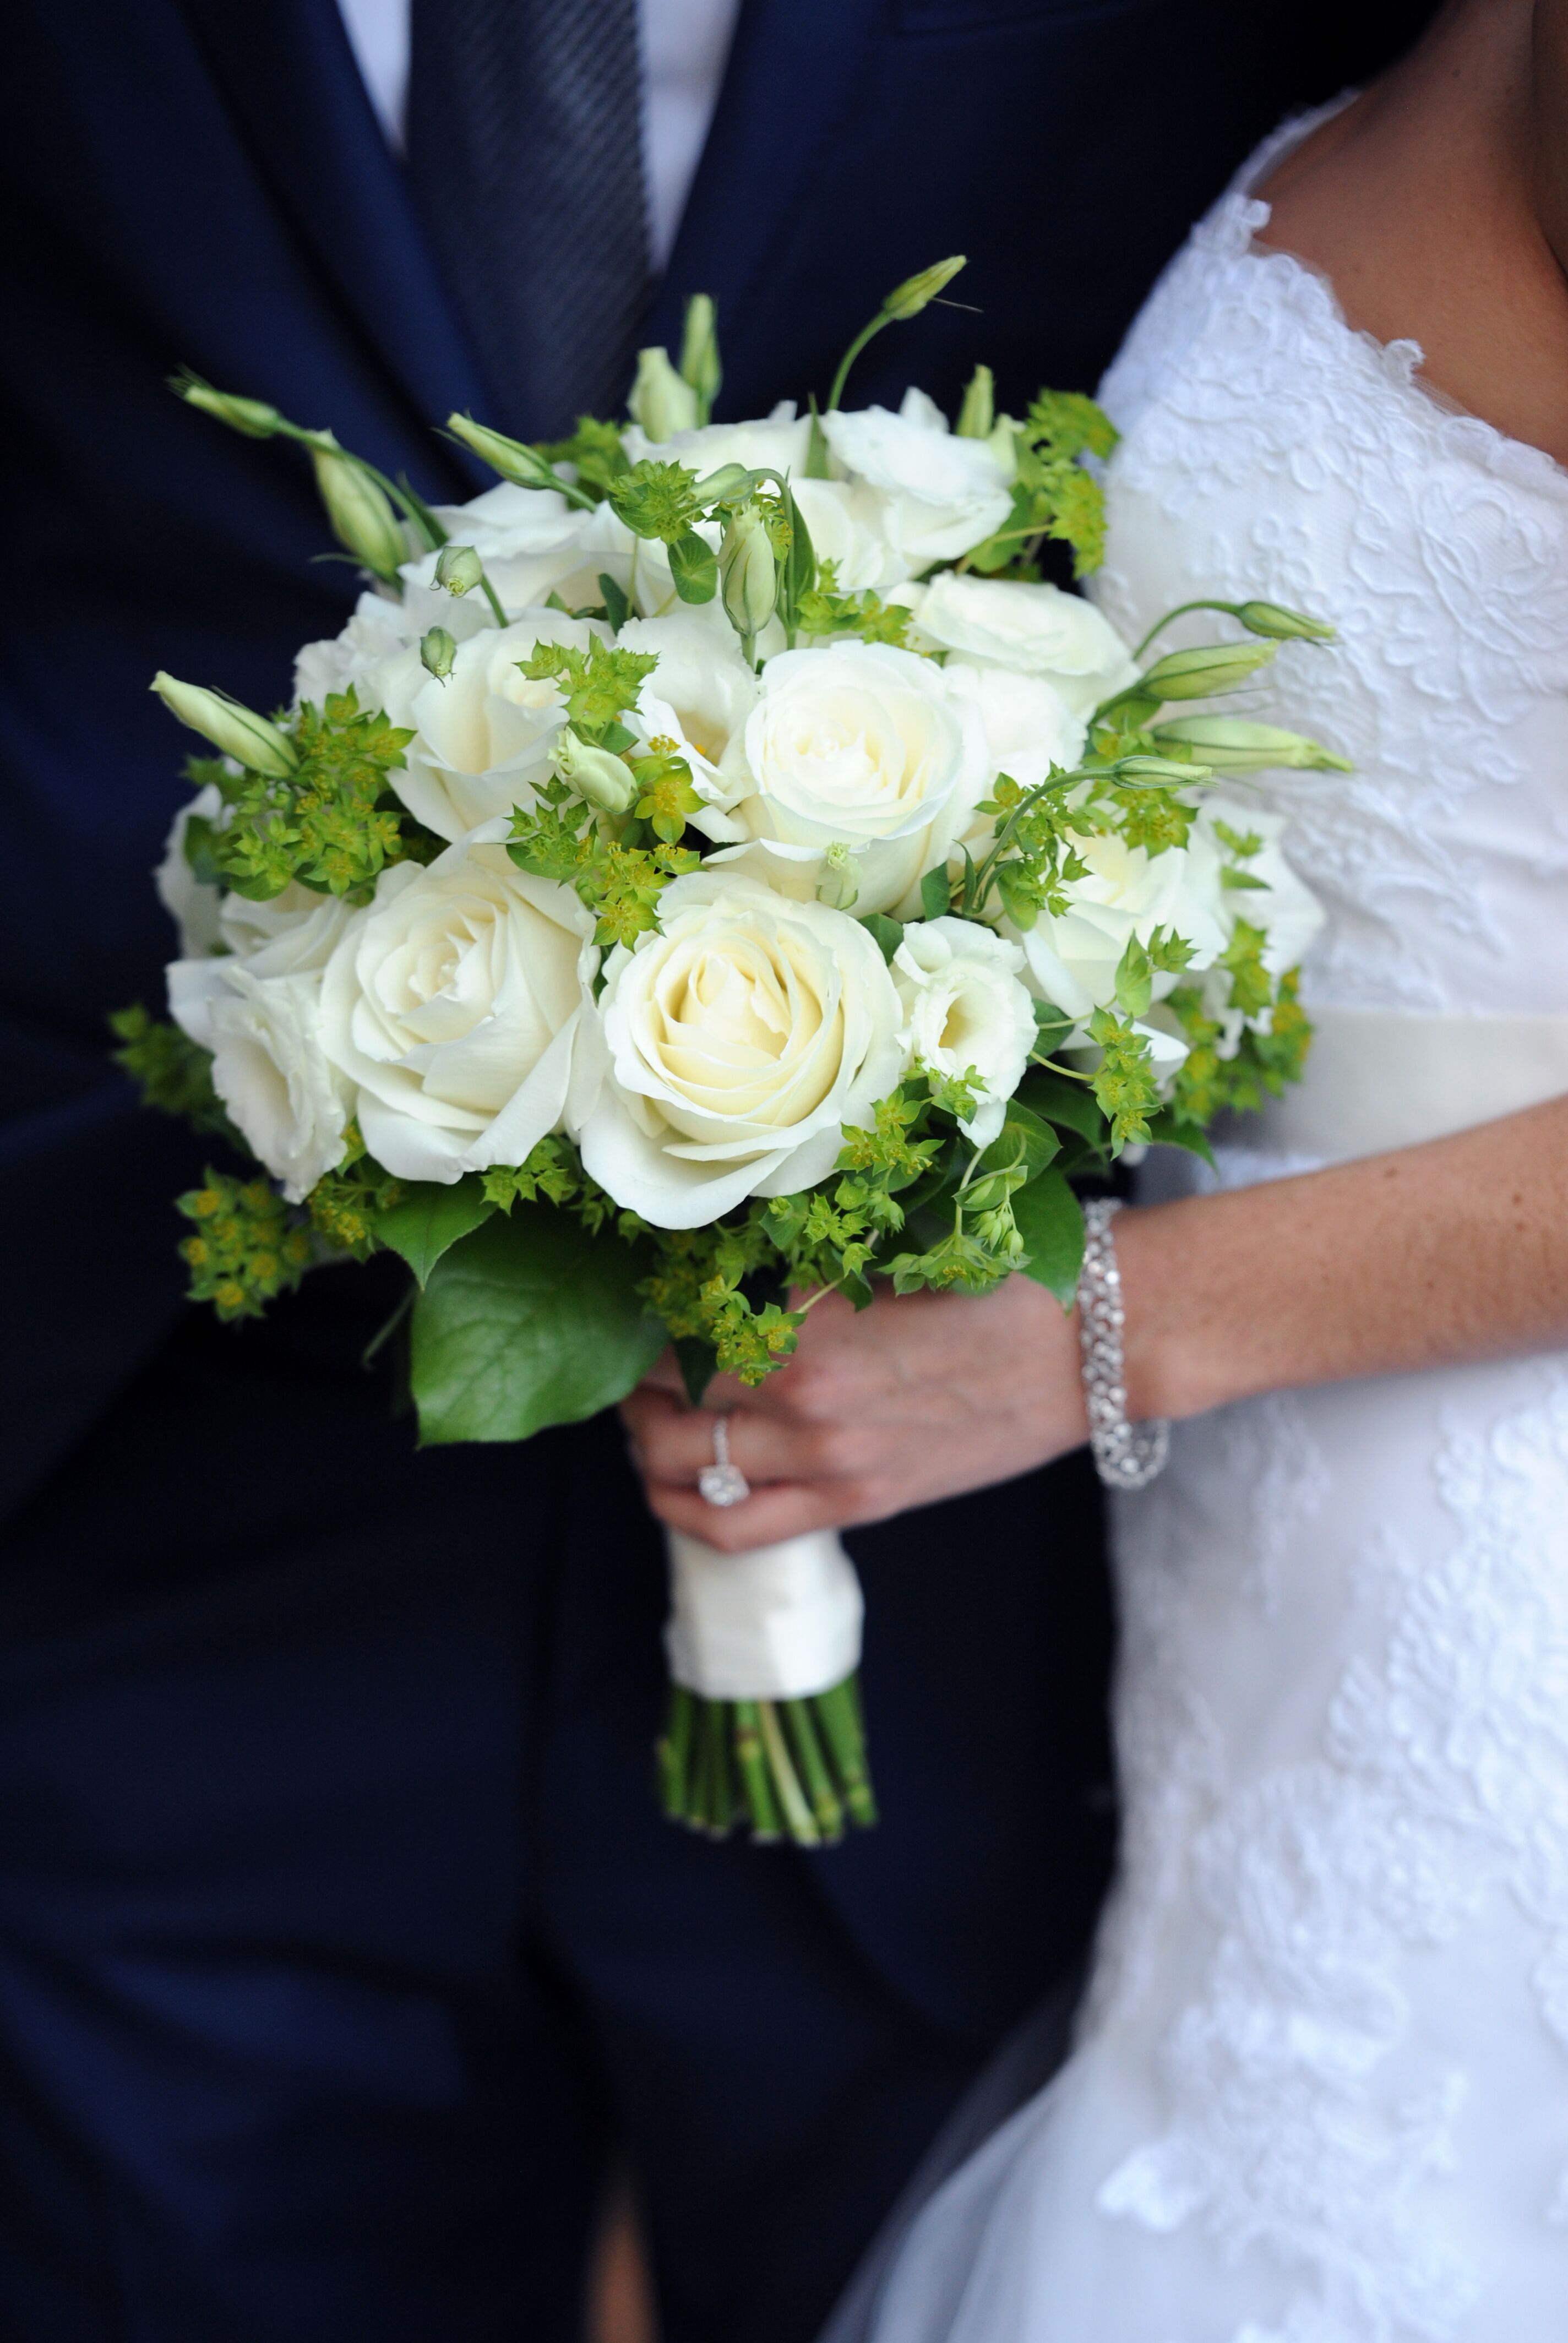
(339, 1931)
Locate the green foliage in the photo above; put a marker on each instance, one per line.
(324, 825)
(667, 798)
(822, 612)
(656, 499)
(174, 1074)
(596, 685)
(1053, 496)
(596, 450)
(1125, 1086)
(563, 839)
(346, 1207)
(1207, 1085)
(242, 1251)
(527, 1321)
(428, 1219)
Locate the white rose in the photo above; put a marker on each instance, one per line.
(1126, 892)
(257, 1009)
(454, 1002)
(1033, 629)
(859, 747)
(941, 495)
(735, 1045)
(965, 1010)
(533, 544)
(482, 737)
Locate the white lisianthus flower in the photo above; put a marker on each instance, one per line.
(193, 908)
(1126, 892)
(533, 543)
(940, 495)
(1290, 916)
(379, 628)
(454, 1003)
(848, 525)
(858, 747)
(965, 1011)
(699, 694)
(735, 1046)
(780, 442)
(258, 1008)
(1033, 629)
(483, 735)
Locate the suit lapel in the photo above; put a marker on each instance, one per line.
(290, 77)
(793, 78)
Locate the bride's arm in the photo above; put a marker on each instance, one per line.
(1435, 1254)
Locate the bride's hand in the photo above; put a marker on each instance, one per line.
(915, 1399)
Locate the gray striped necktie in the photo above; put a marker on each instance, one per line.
(525, 150)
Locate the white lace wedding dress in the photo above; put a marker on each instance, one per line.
(1321, 2094)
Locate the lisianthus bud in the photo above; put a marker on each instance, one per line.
(437, 649)
(1200, 674)
(908, 299)
(699, 364)
(252, 416)
(1273, 618)
(978, 413)
(513, 458)
(1229, 745)
(458, 568)
(605, 780)
(1157, 772)
(659, 401)
(237, 730)
(724, 482)
(748, 574)
(362, 518)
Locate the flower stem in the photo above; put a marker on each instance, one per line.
(814, 1772)
(757, 1789)
(839, 1715)
(798, 1819)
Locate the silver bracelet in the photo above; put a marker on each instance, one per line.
(1126, 1455)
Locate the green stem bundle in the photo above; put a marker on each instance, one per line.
(783, 1770)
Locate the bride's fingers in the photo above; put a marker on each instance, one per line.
(768, 1516)
(673, 1442)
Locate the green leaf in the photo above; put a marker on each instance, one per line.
(798, 576)
(693, 566)
(531, 1322)
(617, 607)
(1071, 1105)
(429, 1219)
(936, 895)
(698, 1363)
(1050, 1220)
(1165, 1130)
(1036, 1142)
(1134, 979)
(885, 933)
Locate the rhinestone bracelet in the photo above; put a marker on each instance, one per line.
(1126, 1455)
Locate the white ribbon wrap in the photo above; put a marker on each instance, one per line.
(780, 1622)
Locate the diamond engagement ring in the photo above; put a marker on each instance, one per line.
(722, 1482)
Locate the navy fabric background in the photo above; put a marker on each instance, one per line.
(338, 1929)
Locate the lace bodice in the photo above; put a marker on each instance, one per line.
(1270, 449)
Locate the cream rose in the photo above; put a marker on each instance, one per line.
(484, 736)
(379, 628)
(454, 1003)
(940, 495)
(965, 1011)
(779, 442)
(1035, 630)
(735, 1045)
(193, 907)
(699, 694)
(860, 748)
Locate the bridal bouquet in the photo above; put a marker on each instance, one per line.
(709, 870)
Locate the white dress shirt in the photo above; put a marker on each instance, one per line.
(684, 43)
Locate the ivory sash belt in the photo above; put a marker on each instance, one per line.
(1377, 1079)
